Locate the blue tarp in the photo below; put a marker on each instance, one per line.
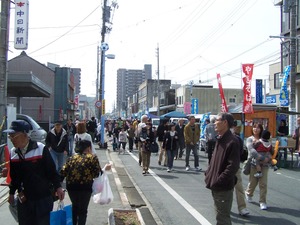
(174, 114)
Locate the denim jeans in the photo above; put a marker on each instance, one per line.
(171, 155)
(58, 158)
(194, 148)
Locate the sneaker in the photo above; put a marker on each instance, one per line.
(168, 170)
(144, 172)
(198, 168)
(275, 168)
(248, 198)
(187, 168)
(244, 212)
(263, 206)
(258, 174)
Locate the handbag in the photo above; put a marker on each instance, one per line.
(153, 147)
(106, 195)
(247, 166)
(62, 216)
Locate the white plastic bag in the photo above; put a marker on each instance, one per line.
(98, 184)
(106, 195)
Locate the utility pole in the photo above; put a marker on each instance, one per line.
(158, 83)
(4, 37)
(97, 82)
(293, 33)
(103, 32)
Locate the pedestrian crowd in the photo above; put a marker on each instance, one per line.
(38, 170)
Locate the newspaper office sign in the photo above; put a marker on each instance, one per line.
(21, 24)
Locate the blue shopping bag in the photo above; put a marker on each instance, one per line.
(62, 216)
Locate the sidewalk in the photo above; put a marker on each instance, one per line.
(125, 194)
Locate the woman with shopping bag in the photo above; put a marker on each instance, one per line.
(80, 171)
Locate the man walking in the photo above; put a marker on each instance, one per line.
(71, 131)
(210, 136)
(181, 144)
(32, 170)
(191, 137)
(220, 174)
(57, 142)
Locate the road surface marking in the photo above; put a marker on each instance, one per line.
(201, 219)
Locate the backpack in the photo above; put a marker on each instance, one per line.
(77, 139)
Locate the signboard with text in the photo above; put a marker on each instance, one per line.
(21, 24)
(194, 109)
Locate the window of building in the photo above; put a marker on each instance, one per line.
(277, 81)
(231, 100)
(285, 25)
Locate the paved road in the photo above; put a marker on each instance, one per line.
(180, 197)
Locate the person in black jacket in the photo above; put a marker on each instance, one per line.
(32, 170)
(71, 131)
(170, 144)
(58, 144)
(160, 133)
(181, 143)
(220, 175)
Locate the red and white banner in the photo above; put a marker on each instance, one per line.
(224, 105)
(248, 71)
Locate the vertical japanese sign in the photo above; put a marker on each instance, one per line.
(258, 92)
(21, 24)
(194, 109)
(224, 105)
(248, 72)
(284, 93)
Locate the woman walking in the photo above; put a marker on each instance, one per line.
(80, 170)
(253, 181)
(170, 144)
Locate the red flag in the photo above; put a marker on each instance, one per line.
(248, 71)
(224, 105)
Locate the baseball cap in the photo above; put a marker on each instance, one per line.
(18, 126)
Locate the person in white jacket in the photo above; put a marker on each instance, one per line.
(82, 135)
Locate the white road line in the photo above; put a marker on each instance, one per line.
(201, 219)
(293, 178)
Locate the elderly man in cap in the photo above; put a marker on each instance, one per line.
(58, 144)
(32, 170)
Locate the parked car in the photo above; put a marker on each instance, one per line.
(36, 133)
(155, 122)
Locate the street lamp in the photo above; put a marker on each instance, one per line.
(104, 48)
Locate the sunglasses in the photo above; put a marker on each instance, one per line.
(11, 137)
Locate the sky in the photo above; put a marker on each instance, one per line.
(196, 39)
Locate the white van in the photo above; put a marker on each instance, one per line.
(175, 120)
(155, 122)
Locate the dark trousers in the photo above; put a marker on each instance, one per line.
(180, 148)
(35, 212)
(223, 204)
(190, 148)
(210, 149)
(130, 140)
(80, 202)
(170, 154)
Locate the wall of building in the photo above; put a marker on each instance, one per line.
(39, 108)
(208, 98)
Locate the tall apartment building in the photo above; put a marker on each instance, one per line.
(128, 81)
(77, 80)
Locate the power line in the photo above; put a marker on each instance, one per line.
(65, 32)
